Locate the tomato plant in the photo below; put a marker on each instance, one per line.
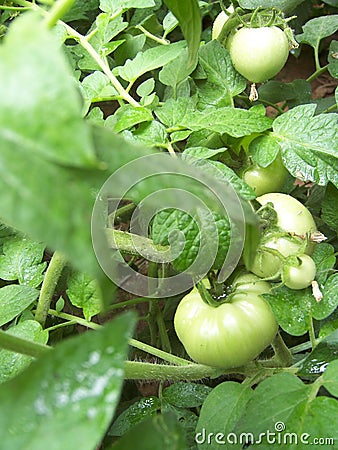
(259, 53)
(139, 165)
(229, 334)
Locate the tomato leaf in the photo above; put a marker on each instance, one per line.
(14, 299)
(325, 352)
(137, 412)
(21, 260)
(235, 122)
(325, 260)
(148, 60)
(84, 293)
(220, 412)
(295, 92)
(330, 207)
(284, 5)
(11, 363)
(189, 16)
(160, 431)
(29, 119)
(78, 384)
(333, 60)
(127, 116)
(222, 81)
(316, 29)
(276, 398)
(176, 70)
(293, 309)
(186, 395)
(112, 7)
(330, 377)
(309, 144)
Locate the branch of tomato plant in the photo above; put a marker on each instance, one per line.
(51, 278)
(23, 346)
(133, 244)
(312, 333)
(317, 73)
(58, 10)
(152, 36)
(282, 357)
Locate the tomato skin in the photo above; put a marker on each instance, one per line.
(220, 21)
(266, 179)
(299, 272)
(231, 334)
(258, 53)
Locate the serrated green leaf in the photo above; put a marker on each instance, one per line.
(21, 260)
(14, 299)
(176, 70)
(137, 412)
(202, 152)
(284, 5)
(325, 352)
(127, 116)
(96, 86)
(11, 363)
(222, 82)
(78, 384)
(330, 207)
(324, 259)
(188, 15)
(150, 59)
(39, 102)
(80, 10)
(330, 377)
(316, 29)
(173, 112)
(186, 395)
(152, 134)
(333, 59)
(112, 6)
(264, 150)
(329, 302)
(309, 144)
(220, 412)
(234, 121)
(84, 293)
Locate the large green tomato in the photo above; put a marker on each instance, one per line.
(231, 334)
(266, 179)
(258, 53)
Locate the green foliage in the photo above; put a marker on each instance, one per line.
(112, 82)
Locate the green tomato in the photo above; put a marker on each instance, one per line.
(292, 216)
(266, 179)
(258, 53)
(220, 21)
(299, 272)
(295, 222)
(231, 334)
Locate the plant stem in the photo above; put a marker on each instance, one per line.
(152, 36)
(132, 302)
(58, 10)
(105, 68)
(312, 334)
(14, 8)
(23, 346)
(317, 73)
(282, 356)
(146, 371)
(133, 342)
(52, 275)
(130, 243)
